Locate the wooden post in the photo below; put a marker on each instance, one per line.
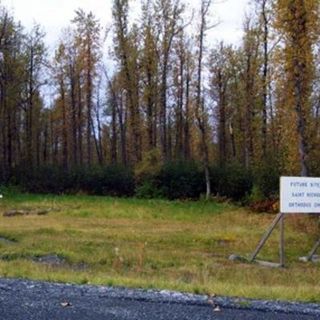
(281, 244)
(266, 236)
(313, 250)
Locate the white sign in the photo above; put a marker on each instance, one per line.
(299, 195)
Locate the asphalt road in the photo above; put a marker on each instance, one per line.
(28, 300)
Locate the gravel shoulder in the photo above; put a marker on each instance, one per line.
(28, 300)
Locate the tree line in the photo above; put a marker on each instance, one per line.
(172, 93)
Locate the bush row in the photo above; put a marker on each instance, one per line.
(174, 180)
(181, 180)
(110, 180)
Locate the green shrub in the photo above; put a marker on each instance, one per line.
(232, 181)
(45, 179)
(217, 174)
(149, 166)
(174, 180)
(117, 181)
(148, 190)
(108, 180)
(146, 173)
(266, 180)
(181, 180)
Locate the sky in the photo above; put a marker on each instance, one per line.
(54, 15)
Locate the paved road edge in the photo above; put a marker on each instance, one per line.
(166, 296)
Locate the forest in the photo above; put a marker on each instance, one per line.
(176, 114)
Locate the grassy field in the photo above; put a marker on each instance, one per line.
(154, 244)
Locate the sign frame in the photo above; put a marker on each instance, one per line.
(299, 194)
(290, 193)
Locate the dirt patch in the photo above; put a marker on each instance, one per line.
(79, 266)
(26, 212)
(224, 242)
(54, 260)
(51, 259)
(5, 240)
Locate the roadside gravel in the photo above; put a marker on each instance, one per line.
(33, 300)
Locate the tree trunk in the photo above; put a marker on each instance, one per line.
(187, 151)
(199, 99)
(79, 121)
(64, 128)
(89, 106)
(74, 142)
